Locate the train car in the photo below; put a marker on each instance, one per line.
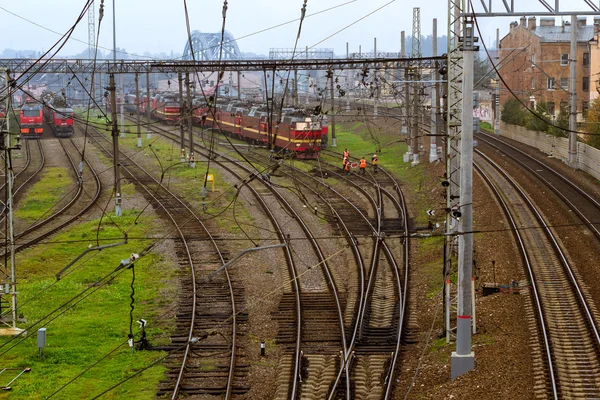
(166, 108)
(31, 120)
(60, 121)
(324, 132)
(297, 134)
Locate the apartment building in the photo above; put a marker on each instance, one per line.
(534, 63)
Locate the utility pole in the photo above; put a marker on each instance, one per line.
(573, 87)
(137, 109)
(375, 79)
(115, 135)
(332, 119)
(463, 359)
(181, 111)
(434, 98)
(9, 177)
(239, 86)
(307, 78)
(148, 105)
(295, 89)
(188, 111)
(349, 74)
(405, 128)
(497, 99)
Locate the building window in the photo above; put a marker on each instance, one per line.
(563, 106)
(564, 59)
(551, 108)
(586, 59)
(533, 83)
(584, 108)
(564, 83)
(551, 83)
(586, 84)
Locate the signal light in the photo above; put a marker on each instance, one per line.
(25, 130)
(38, 130)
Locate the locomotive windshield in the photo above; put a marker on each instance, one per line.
(31, 113)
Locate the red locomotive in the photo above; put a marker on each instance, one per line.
(31, 120)
(297, 133)
(166, 108)
(60, 120)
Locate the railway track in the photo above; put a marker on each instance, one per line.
(205, 358)
(34, 164)
(375, 366)
(567, 356)
(584, 205)
(85, 194)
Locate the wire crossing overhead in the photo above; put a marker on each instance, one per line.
(78, 66)
(545, 9)
(207, 46)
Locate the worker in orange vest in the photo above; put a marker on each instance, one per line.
(374, 162)
(363, 166)
(346, 154)
(344, 162)
(347, 167)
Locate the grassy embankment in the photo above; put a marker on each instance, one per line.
(98, 321)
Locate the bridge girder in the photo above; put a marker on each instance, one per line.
(206, 47)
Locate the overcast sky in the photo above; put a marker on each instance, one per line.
(159, 26)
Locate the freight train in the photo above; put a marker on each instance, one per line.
(31, 120)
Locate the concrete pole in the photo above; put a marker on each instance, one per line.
(230, 84)
(181, 111)
(434, 97)
(497, 101)
(349, 74)
(239, 85)
(295, 89)
(307, 78)
(415, 116)
(375, 79)
(463, 359)
(122, 96)
(332, 116)
(9, 177)
(573, 87)
(148, 105)
(137, 110)
(115, 135)
(188, 111)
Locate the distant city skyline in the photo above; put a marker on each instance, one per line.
(148, 27)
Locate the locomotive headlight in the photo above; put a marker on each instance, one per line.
(297, 144)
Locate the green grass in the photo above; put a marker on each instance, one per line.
(41, 198)
(98, 324)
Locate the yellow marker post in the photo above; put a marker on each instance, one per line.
(211, 178)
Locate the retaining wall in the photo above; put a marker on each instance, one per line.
(588, 157)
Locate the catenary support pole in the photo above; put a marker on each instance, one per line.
(463, 359)
(181, 112)
(332, 115)
(122, 98)
(375, 79)
(188, 111)
(115, 136)
(148, 105)
(434, 95)
(497, 99)
(239, 85)
(137, 110)
(573, 88)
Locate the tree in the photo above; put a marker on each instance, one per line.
(513, 113)
(592, 125)
(561, 124)
(536, 121)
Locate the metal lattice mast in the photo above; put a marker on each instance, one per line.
(91, 31)
(416, 87)
(453, 131)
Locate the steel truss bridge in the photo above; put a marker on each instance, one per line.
(207, 46)
(79, 66)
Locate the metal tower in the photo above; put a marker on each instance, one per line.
(91, 31)
(414, 73)
(453, 131)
